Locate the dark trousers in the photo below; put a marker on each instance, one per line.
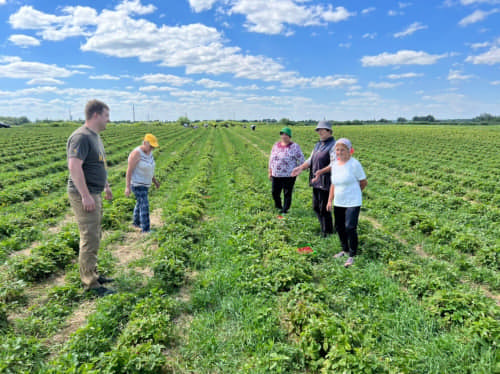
(346, 223)
(320, 201)
(284, 184)
(141, 210)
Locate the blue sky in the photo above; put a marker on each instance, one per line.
(253, 59)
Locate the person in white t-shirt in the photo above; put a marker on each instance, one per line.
(348, 182)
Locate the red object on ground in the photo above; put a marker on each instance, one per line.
(280, 217)
(305, 250)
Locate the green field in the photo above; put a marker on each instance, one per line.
(219, 286)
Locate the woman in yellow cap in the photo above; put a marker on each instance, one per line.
(140, 176)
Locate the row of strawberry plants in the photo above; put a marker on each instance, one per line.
(448, 226)
(332, 342)
(53, 154)
(18, 223)
(131, 331)
(49, 316)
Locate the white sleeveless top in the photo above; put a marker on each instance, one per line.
(143, 174)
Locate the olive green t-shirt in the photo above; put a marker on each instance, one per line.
(87, 146)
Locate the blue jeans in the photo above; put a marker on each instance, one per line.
(141, 210)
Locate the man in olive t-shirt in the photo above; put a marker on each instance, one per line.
(87, 181)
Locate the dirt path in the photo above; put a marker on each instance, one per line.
(130, 248)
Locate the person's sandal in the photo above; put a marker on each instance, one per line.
(349, 262)
(340, 254)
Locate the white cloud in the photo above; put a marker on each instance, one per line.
(15, 67)
(404, 75)
(414, 27)
(394, 13)
(81, 66)
(201, 5)
(404, 5)
(476, 16)
(457, 75)
(252, 87)
(495, 83)
(345, 45)
(74, 22)
(24, 40)
(174, 80)
(370, 35)
(135, 7)
(383, 84)
(45, 82)
(272, 16)
(471, 2)
(3, 2)
(368, 10)
(209, 83)
(154, 88)
(196, 47)
(479, 45)
(491, 57)
(104, 77)
(330, 81)
(402, 57)
(336, 15)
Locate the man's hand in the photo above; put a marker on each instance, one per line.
(157, 184)
(88, 203)
(127, 191)
(109, 194)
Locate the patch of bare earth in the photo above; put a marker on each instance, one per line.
(69, 218)
(130, 249)
(74, 322)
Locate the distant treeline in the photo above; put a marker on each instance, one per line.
(14, 121)
(483, 119)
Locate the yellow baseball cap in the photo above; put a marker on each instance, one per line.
(151, 139)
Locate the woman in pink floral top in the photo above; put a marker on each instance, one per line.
(285, 156)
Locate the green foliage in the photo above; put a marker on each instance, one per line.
(459, 307)
(143, 358)
(3, 316)
(33, 268)
(20, 354)
(169, 272)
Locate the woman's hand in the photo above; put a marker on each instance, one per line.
(329, 206)
(296, 171)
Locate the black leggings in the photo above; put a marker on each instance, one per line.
(284, 184)
(320, 201)
(346, 223)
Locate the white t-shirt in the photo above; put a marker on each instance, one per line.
(346, 179)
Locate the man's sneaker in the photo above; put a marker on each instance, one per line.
(349, 262)
(340, 254)
(101, 291)
(103, 279)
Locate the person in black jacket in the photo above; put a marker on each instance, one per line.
(321, 157)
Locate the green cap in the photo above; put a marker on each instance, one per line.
(286, 130)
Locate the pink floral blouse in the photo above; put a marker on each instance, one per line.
(284, 159)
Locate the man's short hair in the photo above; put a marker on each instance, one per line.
(94, 106)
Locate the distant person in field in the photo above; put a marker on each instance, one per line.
(345, 198)
(321, 157)
(140, 176)
(88, 178)
(285, 156)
